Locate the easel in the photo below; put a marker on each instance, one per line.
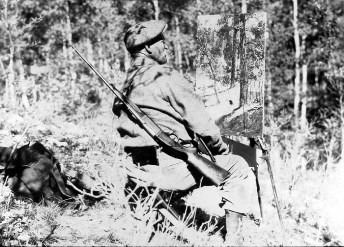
(260, 142)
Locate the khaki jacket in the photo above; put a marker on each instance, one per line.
(170, 101)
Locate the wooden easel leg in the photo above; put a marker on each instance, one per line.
(266, 156)
(253, 144)
(259, 194)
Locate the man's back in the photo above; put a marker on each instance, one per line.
(168, 99)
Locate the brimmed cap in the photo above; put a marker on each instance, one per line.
(142, 33)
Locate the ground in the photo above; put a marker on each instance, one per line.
(311, 200)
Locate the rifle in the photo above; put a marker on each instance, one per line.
(211, 170)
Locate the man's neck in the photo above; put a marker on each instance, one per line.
(139, 56)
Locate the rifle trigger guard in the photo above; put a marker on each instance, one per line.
(185, 144)
(174, 137)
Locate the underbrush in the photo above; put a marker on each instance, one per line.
(86, 141)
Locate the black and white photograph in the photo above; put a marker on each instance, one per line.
(172, 123)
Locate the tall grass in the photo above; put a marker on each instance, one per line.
(308, 180)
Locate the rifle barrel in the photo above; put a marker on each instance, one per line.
(134, 110)
(95, 71)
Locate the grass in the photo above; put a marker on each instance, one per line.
(87, 142)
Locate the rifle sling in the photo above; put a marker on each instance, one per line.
(59, 181)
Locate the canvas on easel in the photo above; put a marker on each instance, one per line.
(230, 71)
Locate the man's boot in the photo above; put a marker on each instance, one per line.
(233, 228)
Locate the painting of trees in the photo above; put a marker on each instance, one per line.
(231, 71)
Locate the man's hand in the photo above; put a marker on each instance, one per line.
(227, 151)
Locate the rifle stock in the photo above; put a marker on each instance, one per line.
(213, 172)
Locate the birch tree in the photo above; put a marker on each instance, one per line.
(297, 63)
(14, 37)
(268, 82)
(156, 9)
(177, 46)
(304, 86)
(9, 20)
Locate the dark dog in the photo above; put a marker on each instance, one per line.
(32, 171)
(4, 156)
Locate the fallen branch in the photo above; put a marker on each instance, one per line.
(69, 183)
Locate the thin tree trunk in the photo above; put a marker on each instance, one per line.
(187, 61)
(156, 9)
(68, 33)
(316, 86)
(4, 72)
(215, 80)
(126, 59)
(23, 85)
(242, 62)
(198, 4)
(297, 64)
(341, 101)
(304, 99)
(89, 50)
(100, 58)
(268, 82)
(243, 7)
(11, 75)
(177, 46)
(47, 60)
(64, 51)
(10, 87)
(234, 51)
(270, 105)
(304, 86)
(68, 50)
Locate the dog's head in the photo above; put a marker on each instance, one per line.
(5, 153)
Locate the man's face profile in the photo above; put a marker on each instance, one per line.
(159, 51)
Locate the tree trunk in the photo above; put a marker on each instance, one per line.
(297, 65)
(270, 105)
(268, 81)
(68, 51)
(187, 61)
(89, 50)
(156, 9)
(23, 83)
(47, 61)
(341, 101)
(198, 6)
(126, 59)
(243, 7)
(234, 52)
(304, 99)
(68, 33)
(214, 78)
(177, 46)
(242, 62)
(4, 72)
(100, 57)
(10, 94)
(11, 87)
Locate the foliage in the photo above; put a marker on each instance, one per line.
(70, 112)
(91, 146)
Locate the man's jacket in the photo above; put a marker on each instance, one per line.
(170, 101)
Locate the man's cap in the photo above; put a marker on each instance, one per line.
(143, 33)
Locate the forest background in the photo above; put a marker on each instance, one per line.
(43, 83)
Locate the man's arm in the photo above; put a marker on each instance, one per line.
(188, 104)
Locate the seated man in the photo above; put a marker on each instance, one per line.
(170, 101)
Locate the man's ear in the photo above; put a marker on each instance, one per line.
(148, 49)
